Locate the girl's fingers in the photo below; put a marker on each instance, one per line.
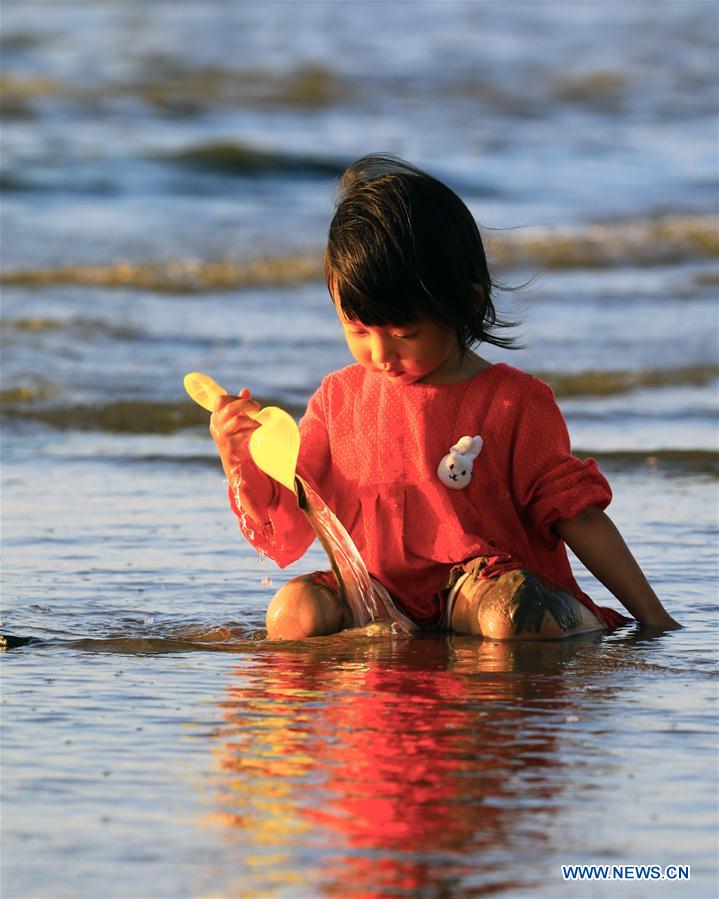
(233, 417)
(225, 399)
(234, 406)
(239, 426)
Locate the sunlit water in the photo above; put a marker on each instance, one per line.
(154, 744)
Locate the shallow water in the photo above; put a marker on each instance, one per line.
(154, 745)
(167, 733)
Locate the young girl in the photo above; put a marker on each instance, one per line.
(453, 475)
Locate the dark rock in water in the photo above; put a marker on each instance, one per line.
(11, 641)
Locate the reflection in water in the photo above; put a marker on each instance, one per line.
(402, 765)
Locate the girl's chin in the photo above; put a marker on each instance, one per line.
(401, 376)
(404, 377)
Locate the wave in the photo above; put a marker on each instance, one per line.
(596, 382)
(18, 92)
(174, 90)
(119, 416)
(28, 393)
(669, 239)
(707, 279)
(669, 462)
(663, 240)
(178, 276)
(123, 416)
(235, 157)
(34, 324)
(664, 461)
(29, 402)
(170, 88)
(78, 327)
(305, 86)
(135, 645)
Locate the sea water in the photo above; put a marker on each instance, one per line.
(168, 173)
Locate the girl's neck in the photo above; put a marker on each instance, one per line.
(463, 370)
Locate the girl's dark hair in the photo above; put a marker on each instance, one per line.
(403, 246)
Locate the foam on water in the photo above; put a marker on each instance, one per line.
(655, 241)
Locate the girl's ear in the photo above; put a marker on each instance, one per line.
(478, 290)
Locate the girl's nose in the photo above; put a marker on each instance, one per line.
(383, 351)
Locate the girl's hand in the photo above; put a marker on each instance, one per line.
(231, 426)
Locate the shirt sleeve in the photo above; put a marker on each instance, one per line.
(549, 483)
(285, 535)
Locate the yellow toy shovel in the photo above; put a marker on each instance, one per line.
(274, 446)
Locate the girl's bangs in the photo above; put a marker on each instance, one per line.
(377, 306)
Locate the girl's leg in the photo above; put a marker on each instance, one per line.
(517, 606)
(306, 606)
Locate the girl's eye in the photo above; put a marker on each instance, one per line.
(406, 336)
(357, 333)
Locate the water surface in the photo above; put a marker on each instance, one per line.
(168, 173)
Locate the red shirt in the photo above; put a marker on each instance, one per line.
(371, 448)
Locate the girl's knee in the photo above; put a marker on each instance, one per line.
(517, 606)
(304, 608)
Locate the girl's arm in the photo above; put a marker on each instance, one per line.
(598, 545)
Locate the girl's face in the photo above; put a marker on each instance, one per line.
(422, 352)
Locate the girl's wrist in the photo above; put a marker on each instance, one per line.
(659, 619)
(254, 495)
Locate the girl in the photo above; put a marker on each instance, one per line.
(453, 475)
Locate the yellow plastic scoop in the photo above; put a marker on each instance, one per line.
(274, 446)
(203, 390)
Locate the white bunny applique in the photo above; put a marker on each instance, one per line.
(455, 469)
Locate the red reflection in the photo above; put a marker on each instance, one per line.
(380, 765)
